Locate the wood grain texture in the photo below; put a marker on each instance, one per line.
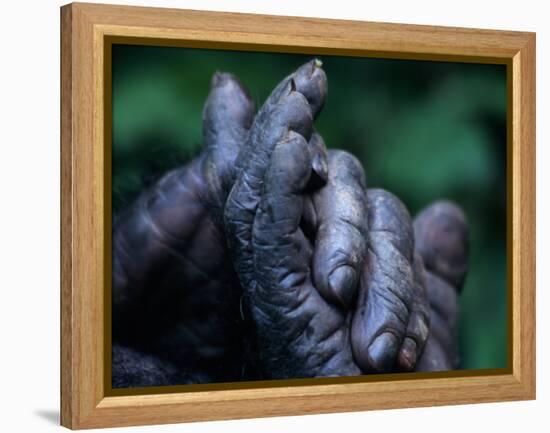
(67, 394)
(524, 340)
(85, 28)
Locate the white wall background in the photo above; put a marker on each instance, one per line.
(29, 221)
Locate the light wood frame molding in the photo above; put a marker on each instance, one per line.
(85, 211)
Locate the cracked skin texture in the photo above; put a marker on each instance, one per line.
(267, 257)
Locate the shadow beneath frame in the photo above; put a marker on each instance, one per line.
(49, 415)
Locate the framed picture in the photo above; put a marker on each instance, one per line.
(266, 215)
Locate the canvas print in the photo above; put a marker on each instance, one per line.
(288, 216)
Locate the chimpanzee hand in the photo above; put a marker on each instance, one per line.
(299, 259)
(293, 256)
(175, 294)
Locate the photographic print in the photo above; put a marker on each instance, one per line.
(289, 216)
(274, 216)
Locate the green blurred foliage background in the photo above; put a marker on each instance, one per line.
(423, 130)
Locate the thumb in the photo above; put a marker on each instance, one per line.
(227, 115)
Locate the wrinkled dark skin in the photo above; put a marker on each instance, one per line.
(174, 291)
(391, 322)
(266, 257)
(441, 235)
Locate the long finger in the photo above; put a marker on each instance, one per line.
(387, 287)
(441, 235)
(291, 112)
(297, 330)
(226, 118)
(441, 238)
(281, 260)
(342, 229)
(227, 113)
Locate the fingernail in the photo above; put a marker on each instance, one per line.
(342, 282)
(292, 86)
(219, 79)
(382, 351)
(319, 165)
(315, 64)
(407, 355)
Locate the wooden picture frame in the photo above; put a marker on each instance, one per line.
(87, 31)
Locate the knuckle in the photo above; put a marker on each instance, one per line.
(345, 169)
